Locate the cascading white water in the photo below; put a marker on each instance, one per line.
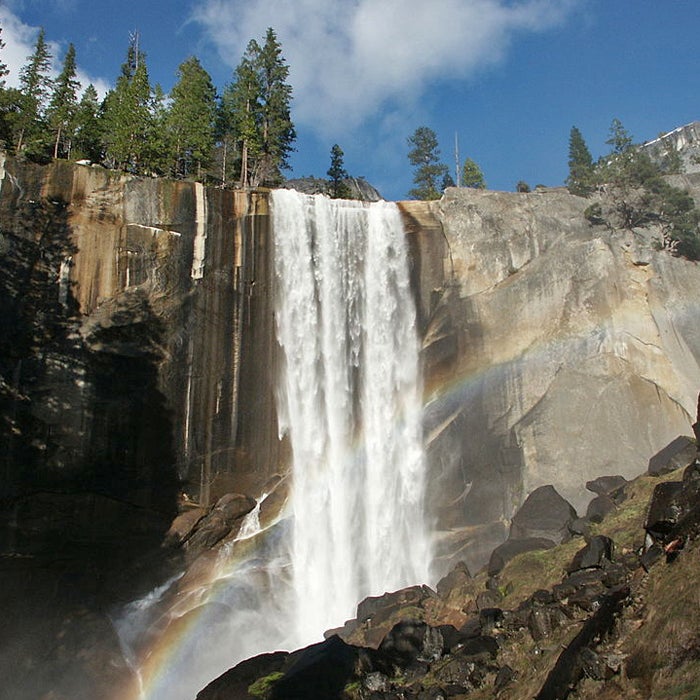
(350, 401)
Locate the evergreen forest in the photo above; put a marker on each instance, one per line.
(242, 137)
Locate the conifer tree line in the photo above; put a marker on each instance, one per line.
(243, 137)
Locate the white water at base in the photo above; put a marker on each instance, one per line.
(350, 401)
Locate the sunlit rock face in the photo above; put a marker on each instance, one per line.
(548, 342)
(137, 307)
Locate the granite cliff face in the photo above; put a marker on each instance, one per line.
(548, 345)
(139, 352)
(138, 361)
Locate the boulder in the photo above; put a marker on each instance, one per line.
(581, 527)
(678, 453)
(597, 552)
(410, 641)
(606, 485)
(674, 510)
(543, 514)
(456, 578)
(599, 507)
(326, 667)
(183, 526)
(224, 518)
(512, 548)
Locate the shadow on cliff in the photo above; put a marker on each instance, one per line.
(87, 469)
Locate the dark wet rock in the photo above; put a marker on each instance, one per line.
(569, 667)
(606, 485)
(236, 681)
(411, 640)
(590, 579)
(223, 520)
(674, 509)
(678, 453)
(452, 637)
(539, 624)
(617, 573)
(511, 548)
(596, 553)
(544, 514)
(183, 526)
(326, 667)
(599, 507)
(692, 471)
(411, 596)
(580, 527)
(471, 628)
(456, 578)
(541, 597)
(651, 556)
(490, 618)
(483, 646)
(503, 678)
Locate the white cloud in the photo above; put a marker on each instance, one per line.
(20, 40)
(349, 58)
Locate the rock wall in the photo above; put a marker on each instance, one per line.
(548, 343)
(138, 352)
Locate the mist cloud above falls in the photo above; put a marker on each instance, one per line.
(349, 58)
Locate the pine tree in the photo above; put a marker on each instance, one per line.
(87, 141)
(35, 85)
(278, 133)
(620, 139)
(241, 110)
(581, 179)
(472, 175)
(63, 106)
(190, 120)
(338, 174)
(127, 115)
(425, 156)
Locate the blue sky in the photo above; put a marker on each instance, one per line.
(509, 77)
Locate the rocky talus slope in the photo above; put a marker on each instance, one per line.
(613, 611)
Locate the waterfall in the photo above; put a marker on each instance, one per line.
(350, 402)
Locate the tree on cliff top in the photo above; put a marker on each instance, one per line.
(127, 116)
(581, 177)
(472, 176)
(190, 120)
(63, 105)
(256, 111)
(34, 87)
(338, 174)
(425, 156)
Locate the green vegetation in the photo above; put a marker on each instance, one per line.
(425, 157)
(262, 687)
(581, 172)
(472, 175)
(338, 174)
(633, 191)
(246, 136)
